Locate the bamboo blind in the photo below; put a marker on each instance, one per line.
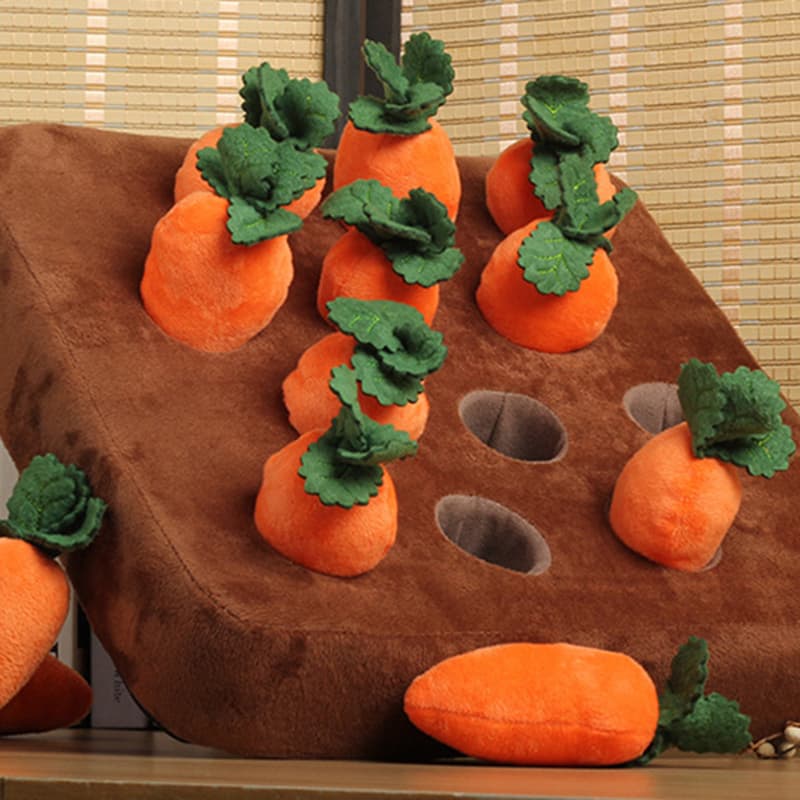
(706, 94)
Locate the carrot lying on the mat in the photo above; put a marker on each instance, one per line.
(299, 111)
(325, 501)
(550, 285)
(395, 139)
(398, 250)
(55, 696)
(677, 497)
(392, 351)
(220, 265)
(51, 510)
(566, 705)
(523, 183)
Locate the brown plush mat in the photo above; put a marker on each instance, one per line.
(228, 644)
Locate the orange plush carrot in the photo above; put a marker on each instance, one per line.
(676, 498)
(538, 704)
(50, 510)
(298, 111)
(524, 182)
(325, 501)
(54, 697)
(565, 705)
(398, 250)
(392, 350)
(550, 285)
(395, 139)
(220, 265)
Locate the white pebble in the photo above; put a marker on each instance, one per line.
(766, 750)
(792, 734)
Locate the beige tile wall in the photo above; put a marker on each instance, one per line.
(706, 94)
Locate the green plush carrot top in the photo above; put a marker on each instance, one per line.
(413, 90)
(415, 233)
(52, 507)
(293, 110)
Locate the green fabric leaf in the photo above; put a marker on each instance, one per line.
(735, 417)
(247, 226)
(545, 175)
(598, 135)
(370, 322)
(715, 725)
(552, 262)
(209, 163)
(394, 389)
(687, 681)
(413, 90)
(416, 233)
(422, 353)
(552, 103)
(383, 443)
(294, 110)
(52, 506)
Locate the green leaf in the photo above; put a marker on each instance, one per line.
(426, 62)
(387, 71)
(553, 102)
(598, 135)
(552, 262)
(736, 417)
(368, 205)
(209, 163)
(52, 506)
(422, 353)
(413, 91)
(247, 226)
(715, 725)
(383, 443)
(371, 322)
(334, 482)
(388, 388)
(294, 110)
(687, 681)
(416, 269)
(545, 175)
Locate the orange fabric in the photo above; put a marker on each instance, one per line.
(328, 539)
(538, 704)
(672, 507)
(517, 310)
(355, 267)
(35, 596)
(509, 192)
(188, 178)
(55, 697)
(403, 163)
(311, 403)
(202, 289)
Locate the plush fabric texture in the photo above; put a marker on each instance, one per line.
(355, 267)
(549, 323)
(403, 163)
(329, 539)
(538, 704)
(311, 403)
(54, 697)
(228, 643)
(203, 289)
(35, 596)
(673, 507)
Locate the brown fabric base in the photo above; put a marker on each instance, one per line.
(228, 644)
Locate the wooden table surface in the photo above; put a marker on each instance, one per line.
(101, 765)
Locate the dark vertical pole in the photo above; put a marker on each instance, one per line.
(347, 24)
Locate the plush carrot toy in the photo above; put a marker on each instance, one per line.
(325, 501)
(391, 350)
(220, 264)
(292, 110)
(524, 184)
(565, 705)
(395, 139)
(550, 285)
(51, 510)
(397, 250)
(56, 696)
(675, 500)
